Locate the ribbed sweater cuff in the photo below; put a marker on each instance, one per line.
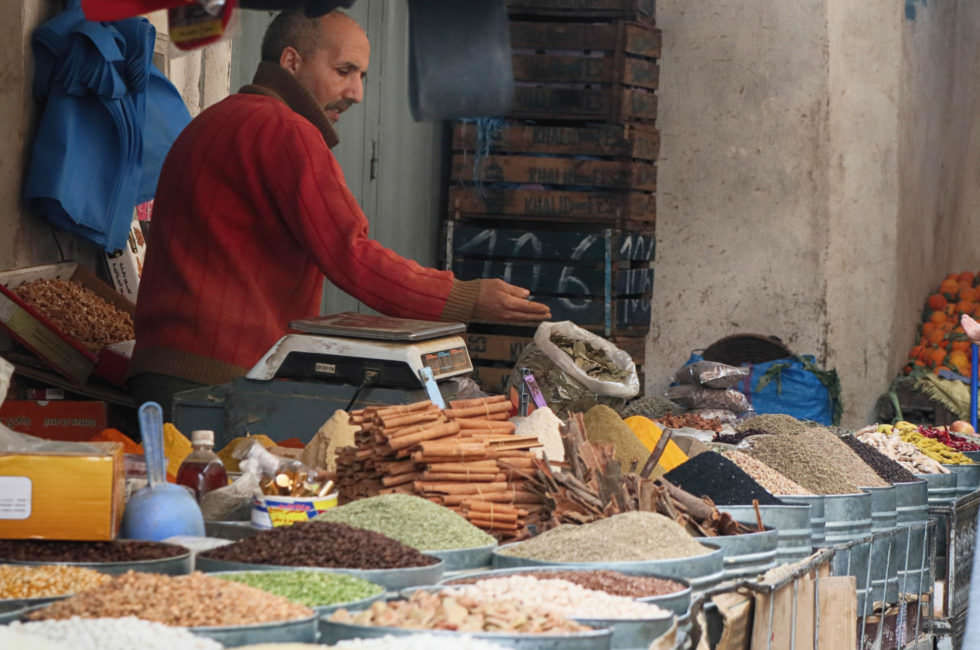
(461, 301)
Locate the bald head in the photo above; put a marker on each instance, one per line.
(328, 56)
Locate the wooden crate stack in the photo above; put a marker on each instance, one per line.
(559, 196)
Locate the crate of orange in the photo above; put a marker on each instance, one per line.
(942, 343)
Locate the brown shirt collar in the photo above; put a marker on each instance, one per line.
(274, 81)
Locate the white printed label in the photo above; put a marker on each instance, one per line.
(15, 497)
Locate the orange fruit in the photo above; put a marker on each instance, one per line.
(936, 336)
(927, 327)
(937, 317)
(960, 362)
(935, 357)
(949, 288)
(961, 346)
(965, 306)
(916, 352)
(967, 293)
(936, 301)
(965, 276)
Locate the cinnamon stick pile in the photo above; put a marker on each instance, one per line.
(595, 487)
(466, 458)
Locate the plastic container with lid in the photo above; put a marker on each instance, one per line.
(202, 471)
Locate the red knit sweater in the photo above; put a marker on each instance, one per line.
(251, 210)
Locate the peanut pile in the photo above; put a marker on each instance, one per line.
(442, 611)
(78, 312)
(43, 581)
(194, 600)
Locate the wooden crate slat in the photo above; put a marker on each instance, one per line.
(482, 240)
(594, 207)
(629, 9)
(550, 170)
(615, 104)
(554, 68)
(626, 141)
(635, 38)
(557, 278)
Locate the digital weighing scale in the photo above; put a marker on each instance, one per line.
(340, 361)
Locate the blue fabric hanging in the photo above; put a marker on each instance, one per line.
(108, 121)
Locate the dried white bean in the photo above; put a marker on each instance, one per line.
(561, 596)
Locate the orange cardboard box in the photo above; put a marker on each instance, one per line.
(55, 419)
(70, 496)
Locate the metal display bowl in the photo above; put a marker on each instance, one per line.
(331, 633)
(676, 602)
(462, 559)
(390, 579)
(701, 571)
(320, 609)
(176, 565)
(301, 630)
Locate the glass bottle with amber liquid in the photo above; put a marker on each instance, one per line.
(202, 470)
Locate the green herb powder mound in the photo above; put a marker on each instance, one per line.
(629, 536)
(310, 588)
(411, 520)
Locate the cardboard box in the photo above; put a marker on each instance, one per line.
(126, 264)
(62, 496)
(56, 420)
(63, 353)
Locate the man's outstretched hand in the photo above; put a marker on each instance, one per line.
(971, 327)
(499, 301)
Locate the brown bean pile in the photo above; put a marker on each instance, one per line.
(611, 582)
(78, 312)
(28, 550)
(195, 600)
(322, 544)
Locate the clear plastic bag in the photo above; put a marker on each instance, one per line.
(565, 385)
(711, 374)
(697, 397)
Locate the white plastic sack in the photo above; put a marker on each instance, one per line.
(625, 389)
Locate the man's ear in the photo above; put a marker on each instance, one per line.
(290, 59)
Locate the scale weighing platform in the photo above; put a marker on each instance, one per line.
(340, 361)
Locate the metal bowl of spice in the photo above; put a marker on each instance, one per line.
(462, 559)
(322, 590)
(114, 558)
(670, 593)
(390, 579)
(300, 630)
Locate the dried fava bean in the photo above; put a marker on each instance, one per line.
(43, 581)
(322, 544)
(30, 550)
(623, 537)
(443, 611)
(124, 633)
(195, 600)
(411, 520)
(611, 582)
(766, 476)
(310, 588)
(565, 598)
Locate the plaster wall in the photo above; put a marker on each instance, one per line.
(820, 174)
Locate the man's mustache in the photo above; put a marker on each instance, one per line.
(340, 106)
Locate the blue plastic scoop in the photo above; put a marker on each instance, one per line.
(162, 509)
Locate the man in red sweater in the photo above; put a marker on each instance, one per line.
(252, 211)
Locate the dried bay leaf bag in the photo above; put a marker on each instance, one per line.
(576, 384)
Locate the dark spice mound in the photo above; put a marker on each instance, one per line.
(322, 544)
(885, 467)
(611, 582)
(737, 437)
(29, 550)
(714, 476)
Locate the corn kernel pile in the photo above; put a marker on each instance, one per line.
(48, 580)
